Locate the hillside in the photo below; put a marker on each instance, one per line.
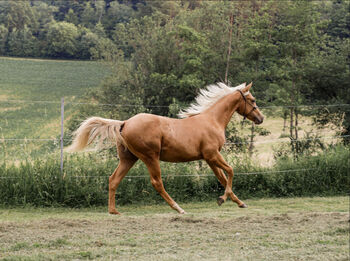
(30, 95)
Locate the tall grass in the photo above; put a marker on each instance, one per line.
(40, 183)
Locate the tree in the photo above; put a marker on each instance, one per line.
(116, 13)
(99, 30)
(71, 17)
(62, 39)
(168, 61)
(173, 57)
(63, 8)
(100, 10)
(104, 49)
(339, 19)
(44, 13)
(296, 37)
(259, 50)
(19, 14)
(22, 43)
(3, 39)
(87, 40)
(329, 79)
(89, 18)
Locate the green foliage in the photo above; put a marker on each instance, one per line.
(70, 17)
(47, 29)
(86, 181)
(44, 14)
(87, 40)
(309, 145)
(22, 43)
(89, 16)
(339, 19)
(329, 79)
(62, 39)
(3, 38)
(18, 14)
(103, 49)
(273, 44)
(117, 13)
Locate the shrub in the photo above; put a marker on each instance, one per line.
(40, 183)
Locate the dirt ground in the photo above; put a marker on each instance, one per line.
(270, 229)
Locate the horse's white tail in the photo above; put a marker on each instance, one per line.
(96, 127)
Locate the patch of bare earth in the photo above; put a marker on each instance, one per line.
(292, 236)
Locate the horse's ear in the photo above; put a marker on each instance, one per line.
(247, 88)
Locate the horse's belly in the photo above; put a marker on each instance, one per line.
(176, 155)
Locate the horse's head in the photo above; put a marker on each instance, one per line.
(248, 108)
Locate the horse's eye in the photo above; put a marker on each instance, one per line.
(253, 101)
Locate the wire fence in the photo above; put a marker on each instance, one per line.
(226, 143)
(199, 175)
(164, 106)
(58, 142)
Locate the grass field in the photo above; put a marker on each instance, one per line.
(25, 80)
(47, 81)
(270, 229)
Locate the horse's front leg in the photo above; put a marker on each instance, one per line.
(217, 163)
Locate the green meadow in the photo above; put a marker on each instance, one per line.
(30, 95)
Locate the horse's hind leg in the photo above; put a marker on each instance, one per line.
(218, 163)
(156, 180)
(127, 160)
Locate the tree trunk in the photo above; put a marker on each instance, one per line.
(294, 97)
(296, 132)
(285, 115)
(291, 127)
(229, 49)
(252, 135)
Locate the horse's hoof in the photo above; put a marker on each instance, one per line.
(220, 201)
(243, 206)
(114, 212)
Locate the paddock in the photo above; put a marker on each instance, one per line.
(314, 228)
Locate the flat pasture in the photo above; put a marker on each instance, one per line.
(270, 229)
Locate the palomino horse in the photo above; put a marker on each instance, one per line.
(200, 134)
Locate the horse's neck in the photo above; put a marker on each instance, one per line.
(223, 109)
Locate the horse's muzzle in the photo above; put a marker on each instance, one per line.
(259, 120)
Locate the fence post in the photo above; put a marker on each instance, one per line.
(62, 119)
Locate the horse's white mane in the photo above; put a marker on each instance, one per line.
(209, 96)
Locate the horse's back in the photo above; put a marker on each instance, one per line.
(144, 124)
